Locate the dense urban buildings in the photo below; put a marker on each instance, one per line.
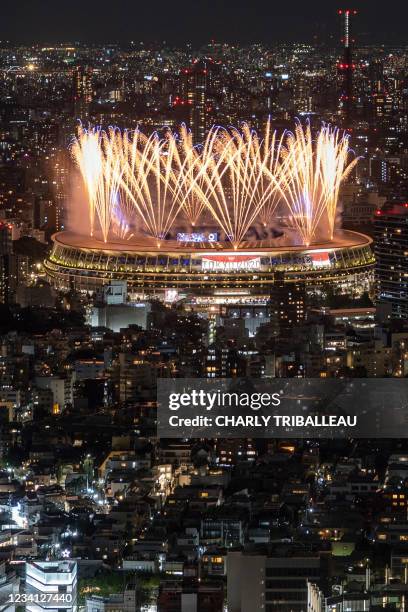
(96, 513)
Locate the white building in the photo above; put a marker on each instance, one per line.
(119, 316)
(51, 586)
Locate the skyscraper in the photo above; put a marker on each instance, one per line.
(346, 65)
(391, 251)
(7, 284)
(196, 85)
(287, 305)
(302, 95)
(376, 74)
(82, 90)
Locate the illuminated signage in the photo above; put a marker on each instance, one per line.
(230, 262)
(197, 237)
(320, 260)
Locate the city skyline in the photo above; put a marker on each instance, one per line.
(194, 229)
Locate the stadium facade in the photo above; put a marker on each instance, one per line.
(208, 270)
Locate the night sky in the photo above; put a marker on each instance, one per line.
(196, 21)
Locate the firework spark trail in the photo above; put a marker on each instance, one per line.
(310, 178)
(299, 182)
(235, 176)
(109, 187)
(272, 153)
(190, 178)
(87, 152)
(238, 184)
(155, 181)
(334, 169)
(97, 155)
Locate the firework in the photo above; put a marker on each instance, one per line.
(87, 153)
(310, 177)
(235, 178)
(150, 180)
(239, 182)
(191, 178)
(97, 154)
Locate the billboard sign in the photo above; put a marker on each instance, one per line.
(230, 262)
(320, 260)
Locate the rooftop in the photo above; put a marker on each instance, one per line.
(147, 244)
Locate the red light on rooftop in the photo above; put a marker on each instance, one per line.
(378, 213)
(347, 12)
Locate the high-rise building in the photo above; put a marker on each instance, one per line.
(52, 585)
(7, 264)
(287, 304)
(82, 89)
(61, 170)
(391, 251)
(196, 86)
(302, 95)
(346, 65)
(5, 239)
(384, 107)
(376, 74)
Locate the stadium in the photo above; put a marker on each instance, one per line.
(215, 223)
(181, 270)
